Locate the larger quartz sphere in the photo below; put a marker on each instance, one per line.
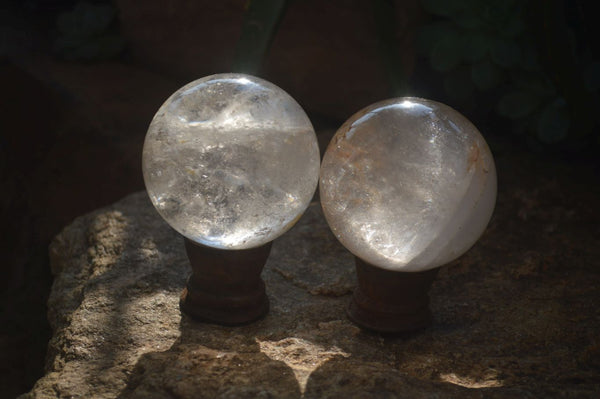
(231, 161)
(408, 184)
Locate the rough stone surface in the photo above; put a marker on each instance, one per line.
(510, 320)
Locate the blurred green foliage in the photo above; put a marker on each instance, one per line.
(515, 57)
(384, 14)
(490, 47)
(86, 33)
(260, 24)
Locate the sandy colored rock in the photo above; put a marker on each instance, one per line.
(509, 321)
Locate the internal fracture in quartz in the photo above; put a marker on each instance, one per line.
(231, 161)
(408, 184)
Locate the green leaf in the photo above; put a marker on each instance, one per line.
(85, 19)
(553, 125)
(505, 53)
(529, 56)
(591, 76)
(517, 104)
(446, 54)
(485, 75)
(443, 8)
(475, 47)
(85, 33)
(458, 85)
(533, 81)
(431, 34)
(514, 24)
(469, 15)
(496, 13)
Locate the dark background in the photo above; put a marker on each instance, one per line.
(81, 81)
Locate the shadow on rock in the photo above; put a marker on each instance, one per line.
(348, 379)
(211, 362)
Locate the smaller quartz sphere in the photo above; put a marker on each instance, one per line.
(231, 161)
(408, 184)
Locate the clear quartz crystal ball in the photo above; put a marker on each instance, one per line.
(408, 184)
(231, 161)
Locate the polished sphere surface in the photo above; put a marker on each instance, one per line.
(231, 161)
(408, 184)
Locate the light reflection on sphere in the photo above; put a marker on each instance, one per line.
(408, 184)
(231, 161)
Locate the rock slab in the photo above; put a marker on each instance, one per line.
(501, 328)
